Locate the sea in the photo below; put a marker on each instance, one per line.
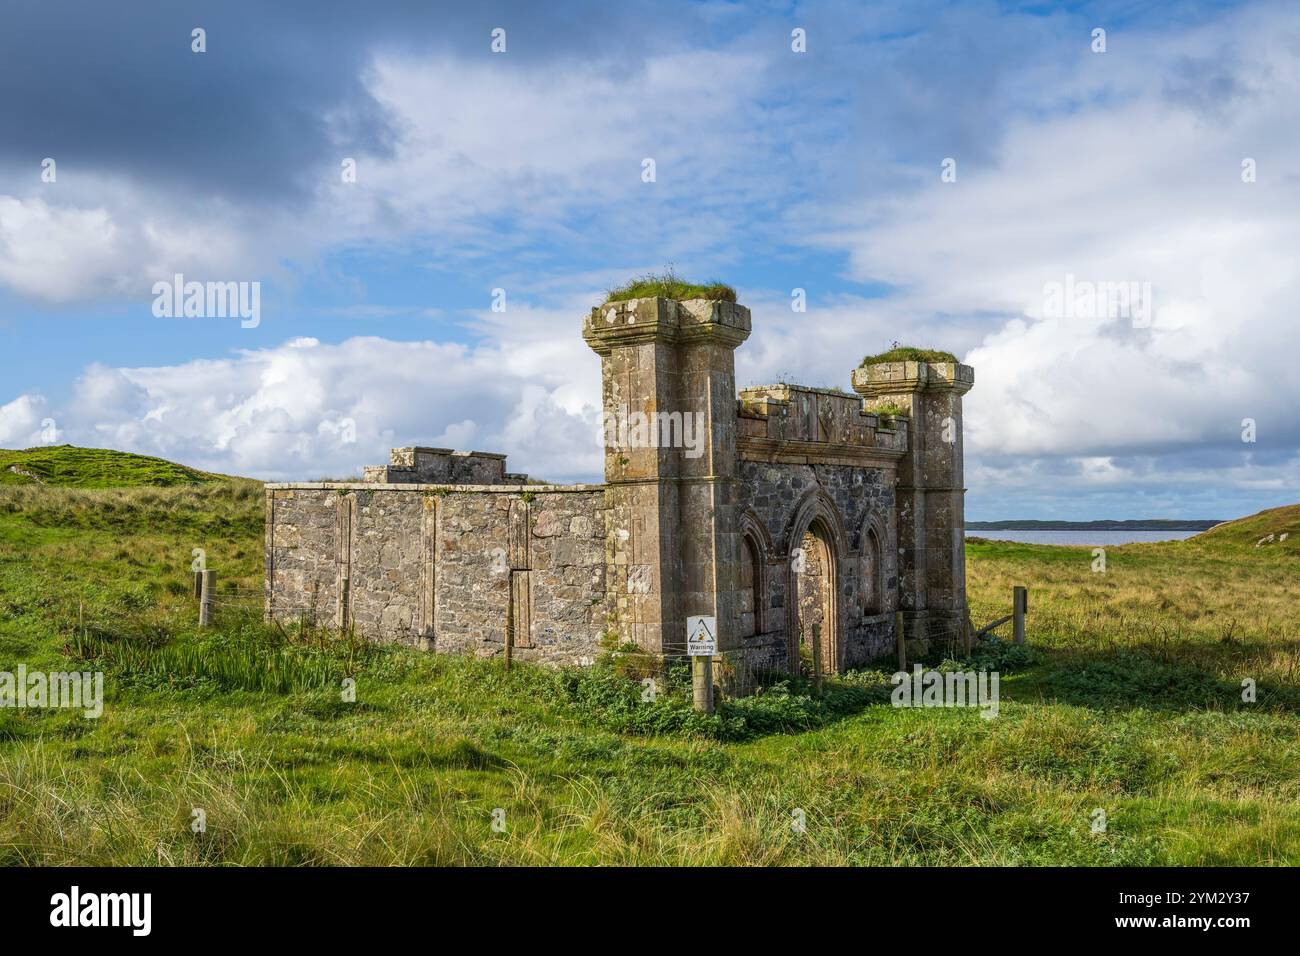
(1093, 538)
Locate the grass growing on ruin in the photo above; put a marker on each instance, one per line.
(906, 353)
(669, 286)
(1129, 701)
(889, 410)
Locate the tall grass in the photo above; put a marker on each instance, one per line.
(1130, 700)
(220, 507)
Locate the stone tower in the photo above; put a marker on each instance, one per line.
(930, 493)
(668, 389)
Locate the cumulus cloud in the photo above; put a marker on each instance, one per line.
(475, 158)
(110, 241)
(22, 422)
(1140, 183)
(307, 409)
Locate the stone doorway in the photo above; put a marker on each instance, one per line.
(813, 586)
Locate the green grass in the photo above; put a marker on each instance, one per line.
(69, 466)
(669, 286)
(1129, 700)
(889, 410)
(1262, 530)
(906, 353)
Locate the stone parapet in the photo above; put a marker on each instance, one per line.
(795, 420)
(432, 488)
(417, 464)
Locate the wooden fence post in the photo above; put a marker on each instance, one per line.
(1020, 598)
(901, 639)
(702, 683)
(207, 594)
(198, 585)
(817, 657)
(509, 650)
(345, 604)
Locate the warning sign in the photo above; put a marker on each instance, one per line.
(701, 639)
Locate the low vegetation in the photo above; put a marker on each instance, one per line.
(906, 353)
(669, 286)
(889, 410)
(1128, 699)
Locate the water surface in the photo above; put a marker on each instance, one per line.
(1094, 538)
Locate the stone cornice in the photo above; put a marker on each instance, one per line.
(893, 378)
(670, 480)
(777, 451)
(414, 486)
(639, 321)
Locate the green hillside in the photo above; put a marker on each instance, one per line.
(73, 467)
(1255, 530)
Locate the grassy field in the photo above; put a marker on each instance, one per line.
(69, 466)
(1130, 703)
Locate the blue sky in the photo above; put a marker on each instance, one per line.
(775, 170)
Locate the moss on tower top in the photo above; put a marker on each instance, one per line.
(906, 353)
(669, 286)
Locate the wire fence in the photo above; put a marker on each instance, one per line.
(221, 598)
(241, 598)
(736, 673)
(739, 672)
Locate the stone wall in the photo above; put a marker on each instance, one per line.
(448, 568)
(855, 504)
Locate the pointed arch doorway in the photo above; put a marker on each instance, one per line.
(814, 610)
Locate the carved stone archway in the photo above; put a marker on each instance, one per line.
(872, 557)
(755, 556)
(815, 549)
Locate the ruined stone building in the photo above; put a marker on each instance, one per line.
(773, 510)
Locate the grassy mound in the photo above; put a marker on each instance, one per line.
(669, 286)
(906, 353)
(69, 466)
(1264, 529)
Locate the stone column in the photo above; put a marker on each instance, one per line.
(930, 492)
(669, 401)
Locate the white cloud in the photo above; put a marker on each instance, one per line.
(306, 409)
(109, 240)
(542, 146)
(1142, 183)
(475, 144)
(21, 422)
